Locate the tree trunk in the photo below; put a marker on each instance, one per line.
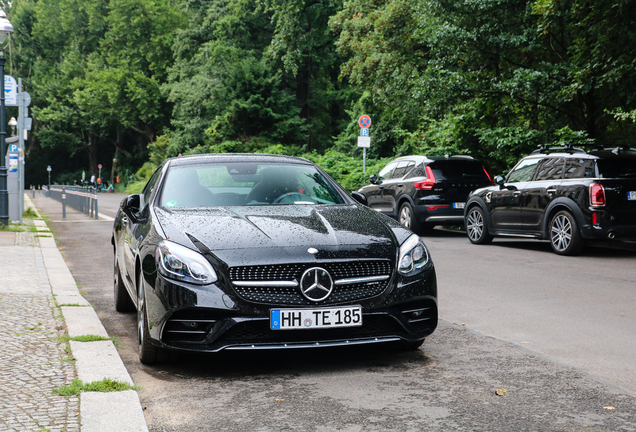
(92, 154)
(303, 94)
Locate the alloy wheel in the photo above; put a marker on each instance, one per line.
(475, 225)
(405, 216)
(561, 232)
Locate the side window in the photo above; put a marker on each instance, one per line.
(523, 171)
(418, 171)
(147, 192)
(386, 171)
(551, 169)
(402, 168)
(579, 168)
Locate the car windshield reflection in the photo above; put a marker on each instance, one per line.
(241, 184)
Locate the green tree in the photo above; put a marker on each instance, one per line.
(94, 70)
(492, 78)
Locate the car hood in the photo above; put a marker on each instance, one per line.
(283, 233)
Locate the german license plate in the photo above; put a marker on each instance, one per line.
(294, 319)
(631, 195)
(459, 205)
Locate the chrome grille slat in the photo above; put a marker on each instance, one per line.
(277, 284)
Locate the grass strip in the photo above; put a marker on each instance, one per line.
(104, 386)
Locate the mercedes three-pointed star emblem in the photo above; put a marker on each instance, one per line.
(316, 284)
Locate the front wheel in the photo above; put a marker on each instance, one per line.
(406, 217)
(148, 353)
(565, 237)
(476, 226)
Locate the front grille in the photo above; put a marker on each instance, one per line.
(291, 295)
(258, 331)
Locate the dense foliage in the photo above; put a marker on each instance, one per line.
(138, 80)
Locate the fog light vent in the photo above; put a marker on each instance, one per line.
(416, 315)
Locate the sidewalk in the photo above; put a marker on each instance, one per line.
(42, 305)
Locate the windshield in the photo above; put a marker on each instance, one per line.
(613, 168)
(241, 184)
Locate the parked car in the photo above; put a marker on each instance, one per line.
(235, 252)
(565, 195)
(421, 192)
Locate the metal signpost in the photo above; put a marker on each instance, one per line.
(364, 140)
(14, 96)
(24, 125)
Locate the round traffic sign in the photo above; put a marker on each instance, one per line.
(364, 121)
(99, 166)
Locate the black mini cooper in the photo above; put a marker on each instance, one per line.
(565, 195)
(227, 252)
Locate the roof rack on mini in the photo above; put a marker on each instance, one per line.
(569, 148)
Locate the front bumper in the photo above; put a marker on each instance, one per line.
(214, 318)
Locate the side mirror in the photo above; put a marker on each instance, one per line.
(500, 180)
(373, 178)
(131, 205)
(360, 197)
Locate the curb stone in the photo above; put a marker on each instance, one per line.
(100, 412)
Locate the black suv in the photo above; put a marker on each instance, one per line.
(421, 192)
(565, 195)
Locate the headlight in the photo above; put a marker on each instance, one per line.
(183, 264)
(413, 255)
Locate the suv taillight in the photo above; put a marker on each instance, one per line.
(429, 182)
(597, 195)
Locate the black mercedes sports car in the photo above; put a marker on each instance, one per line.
(241, 251)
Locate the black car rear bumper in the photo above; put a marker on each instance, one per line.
(439, 214)
(609, 232)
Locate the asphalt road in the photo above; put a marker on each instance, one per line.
(555, 332)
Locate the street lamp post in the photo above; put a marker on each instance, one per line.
(5, 35)
(13, 123)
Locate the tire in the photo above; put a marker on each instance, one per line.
(476, 226)
(565, 237)
(149, 354)
(123, 302)
(406, 216)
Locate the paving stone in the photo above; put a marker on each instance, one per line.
(31, 363)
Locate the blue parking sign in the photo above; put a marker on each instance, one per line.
(364, 132)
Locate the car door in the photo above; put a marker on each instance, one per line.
(505, 203)
(374, 192)
(541, 191)
(395, 186)
(132, 230)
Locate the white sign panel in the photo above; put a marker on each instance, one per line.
(26, 97)
(364, 141)
(10, 91)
